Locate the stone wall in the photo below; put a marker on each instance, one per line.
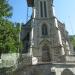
(9, 59)
(47, 69)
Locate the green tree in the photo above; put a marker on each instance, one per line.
(9, 32)
(9, 37)
(72, 39)
(5, 9)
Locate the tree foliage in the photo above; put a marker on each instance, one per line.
(5, 9)
(9, 37)
(9, 34)
(72, 39)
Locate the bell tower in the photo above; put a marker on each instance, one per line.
(42, 9)
(46, 39)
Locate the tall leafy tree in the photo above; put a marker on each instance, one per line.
(9, 37)
(9, 34)
(5, 9)
(72, 39)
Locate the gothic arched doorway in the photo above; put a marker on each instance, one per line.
(45, 54)
(67, 72)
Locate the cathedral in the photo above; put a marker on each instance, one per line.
(46, 46)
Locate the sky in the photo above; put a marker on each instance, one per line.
(65, 12)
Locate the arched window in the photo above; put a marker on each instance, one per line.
(44, 29)
(45, 54)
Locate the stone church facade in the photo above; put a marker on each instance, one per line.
(47, 49)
